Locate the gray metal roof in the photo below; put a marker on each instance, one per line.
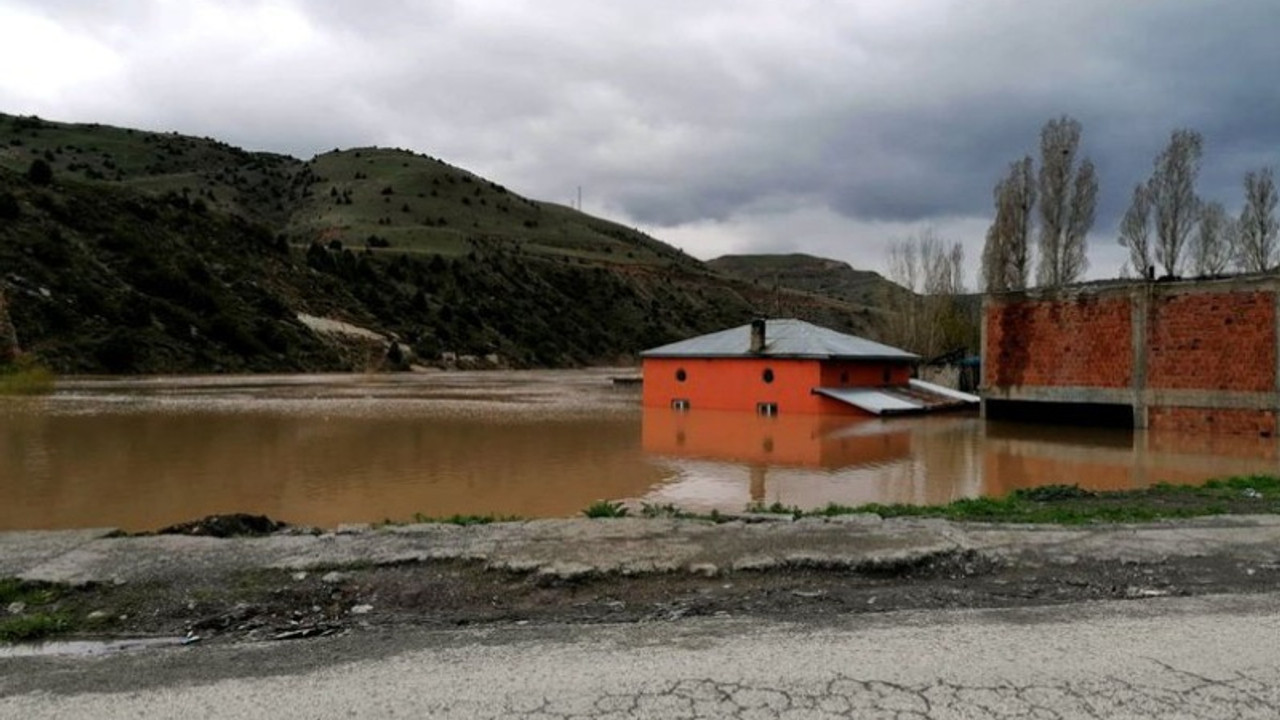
(783, 338)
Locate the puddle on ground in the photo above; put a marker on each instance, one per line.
(321, 450)
(84, 648)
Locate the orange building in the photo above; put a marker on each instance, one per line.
(773, 367)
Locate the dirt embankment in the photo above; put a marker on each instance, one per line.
(292, 585)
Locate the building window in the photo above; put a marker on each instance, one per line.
(888, 375)
(767, 375)
(767, 409)
(680, 404)
(681, 375)
(844, 378)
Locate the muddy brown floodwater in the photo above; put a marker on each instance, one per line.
(322, 450)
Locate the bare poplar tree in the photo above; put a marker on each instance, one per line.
(1068, 196)
(1258, 222)
(1005, 256)
(1212, 251)
(1174, 203)
(1231, 239)
(1135, 231)
(904, 263)
(933, 272)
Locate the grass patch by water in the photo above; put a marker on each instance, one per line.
(25, 377)
(1073, 505)
(465, 520)
(606, 509)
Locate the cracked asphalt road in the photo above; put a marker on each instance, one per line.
(1206, 657)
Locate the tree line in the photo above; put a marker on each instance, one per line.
(1167, 225)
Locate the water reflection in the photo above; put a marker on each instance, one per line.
(323, 450)
(729, 460)
(726, 461)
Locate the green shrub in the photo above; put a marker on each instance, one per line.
(605, 509)
(40, 172)
(31, 627)
(9, 209)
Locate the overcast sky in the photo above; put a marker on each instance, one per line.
(824, 127)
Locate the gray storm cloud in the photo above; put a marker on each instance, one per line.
(725, 126)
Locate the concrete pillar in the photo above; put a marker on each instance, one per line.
(981, 390)
(1139, 310)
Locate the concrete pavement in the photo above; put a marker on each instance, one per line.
(1209, 657)
(567, 549)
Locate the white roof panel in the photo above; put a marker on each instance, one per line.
(872, 400)
(944, 391)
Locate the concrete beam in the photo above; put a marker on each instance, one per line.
(1150, 397)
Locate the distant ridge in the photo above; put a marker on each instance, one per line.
(159, 252)
(821, 276)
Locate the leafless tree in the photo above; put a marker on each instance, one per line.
(1258, 222)
(1174, 203)
(933, 272)
(1231, 239)
(904, 263)
(1212, 251)
(1135, 231)
(1005, 256)
(1068, 196)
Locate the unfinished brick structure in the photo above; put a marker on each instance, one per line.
(1190, 355)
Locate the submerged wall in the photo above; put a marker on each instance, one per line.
(1191, 355)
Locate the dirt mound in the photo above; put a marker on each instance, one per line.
(225, 526)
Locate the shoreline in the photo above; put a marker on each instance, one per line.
(295, 583)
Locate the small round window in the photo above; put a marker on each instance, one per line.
(767, 375)
(681, 375)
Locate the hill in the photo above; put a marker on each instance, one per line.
(887, 303)
(807, 273)
(132, 251)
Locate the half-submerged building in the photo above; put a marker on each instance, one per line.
(1192, 355)
(773, 367)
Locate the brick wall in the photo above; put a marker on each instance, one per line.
(1207, 350)
(1212, 341)
(1085, 341)
(1213, 420)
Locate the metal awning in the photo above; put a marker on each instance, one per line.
(917, 397)
(947, 392)
(874, 400)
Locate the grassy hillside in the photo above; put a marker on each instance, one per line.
(411, 201)
(414, 203)
(147, 252)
